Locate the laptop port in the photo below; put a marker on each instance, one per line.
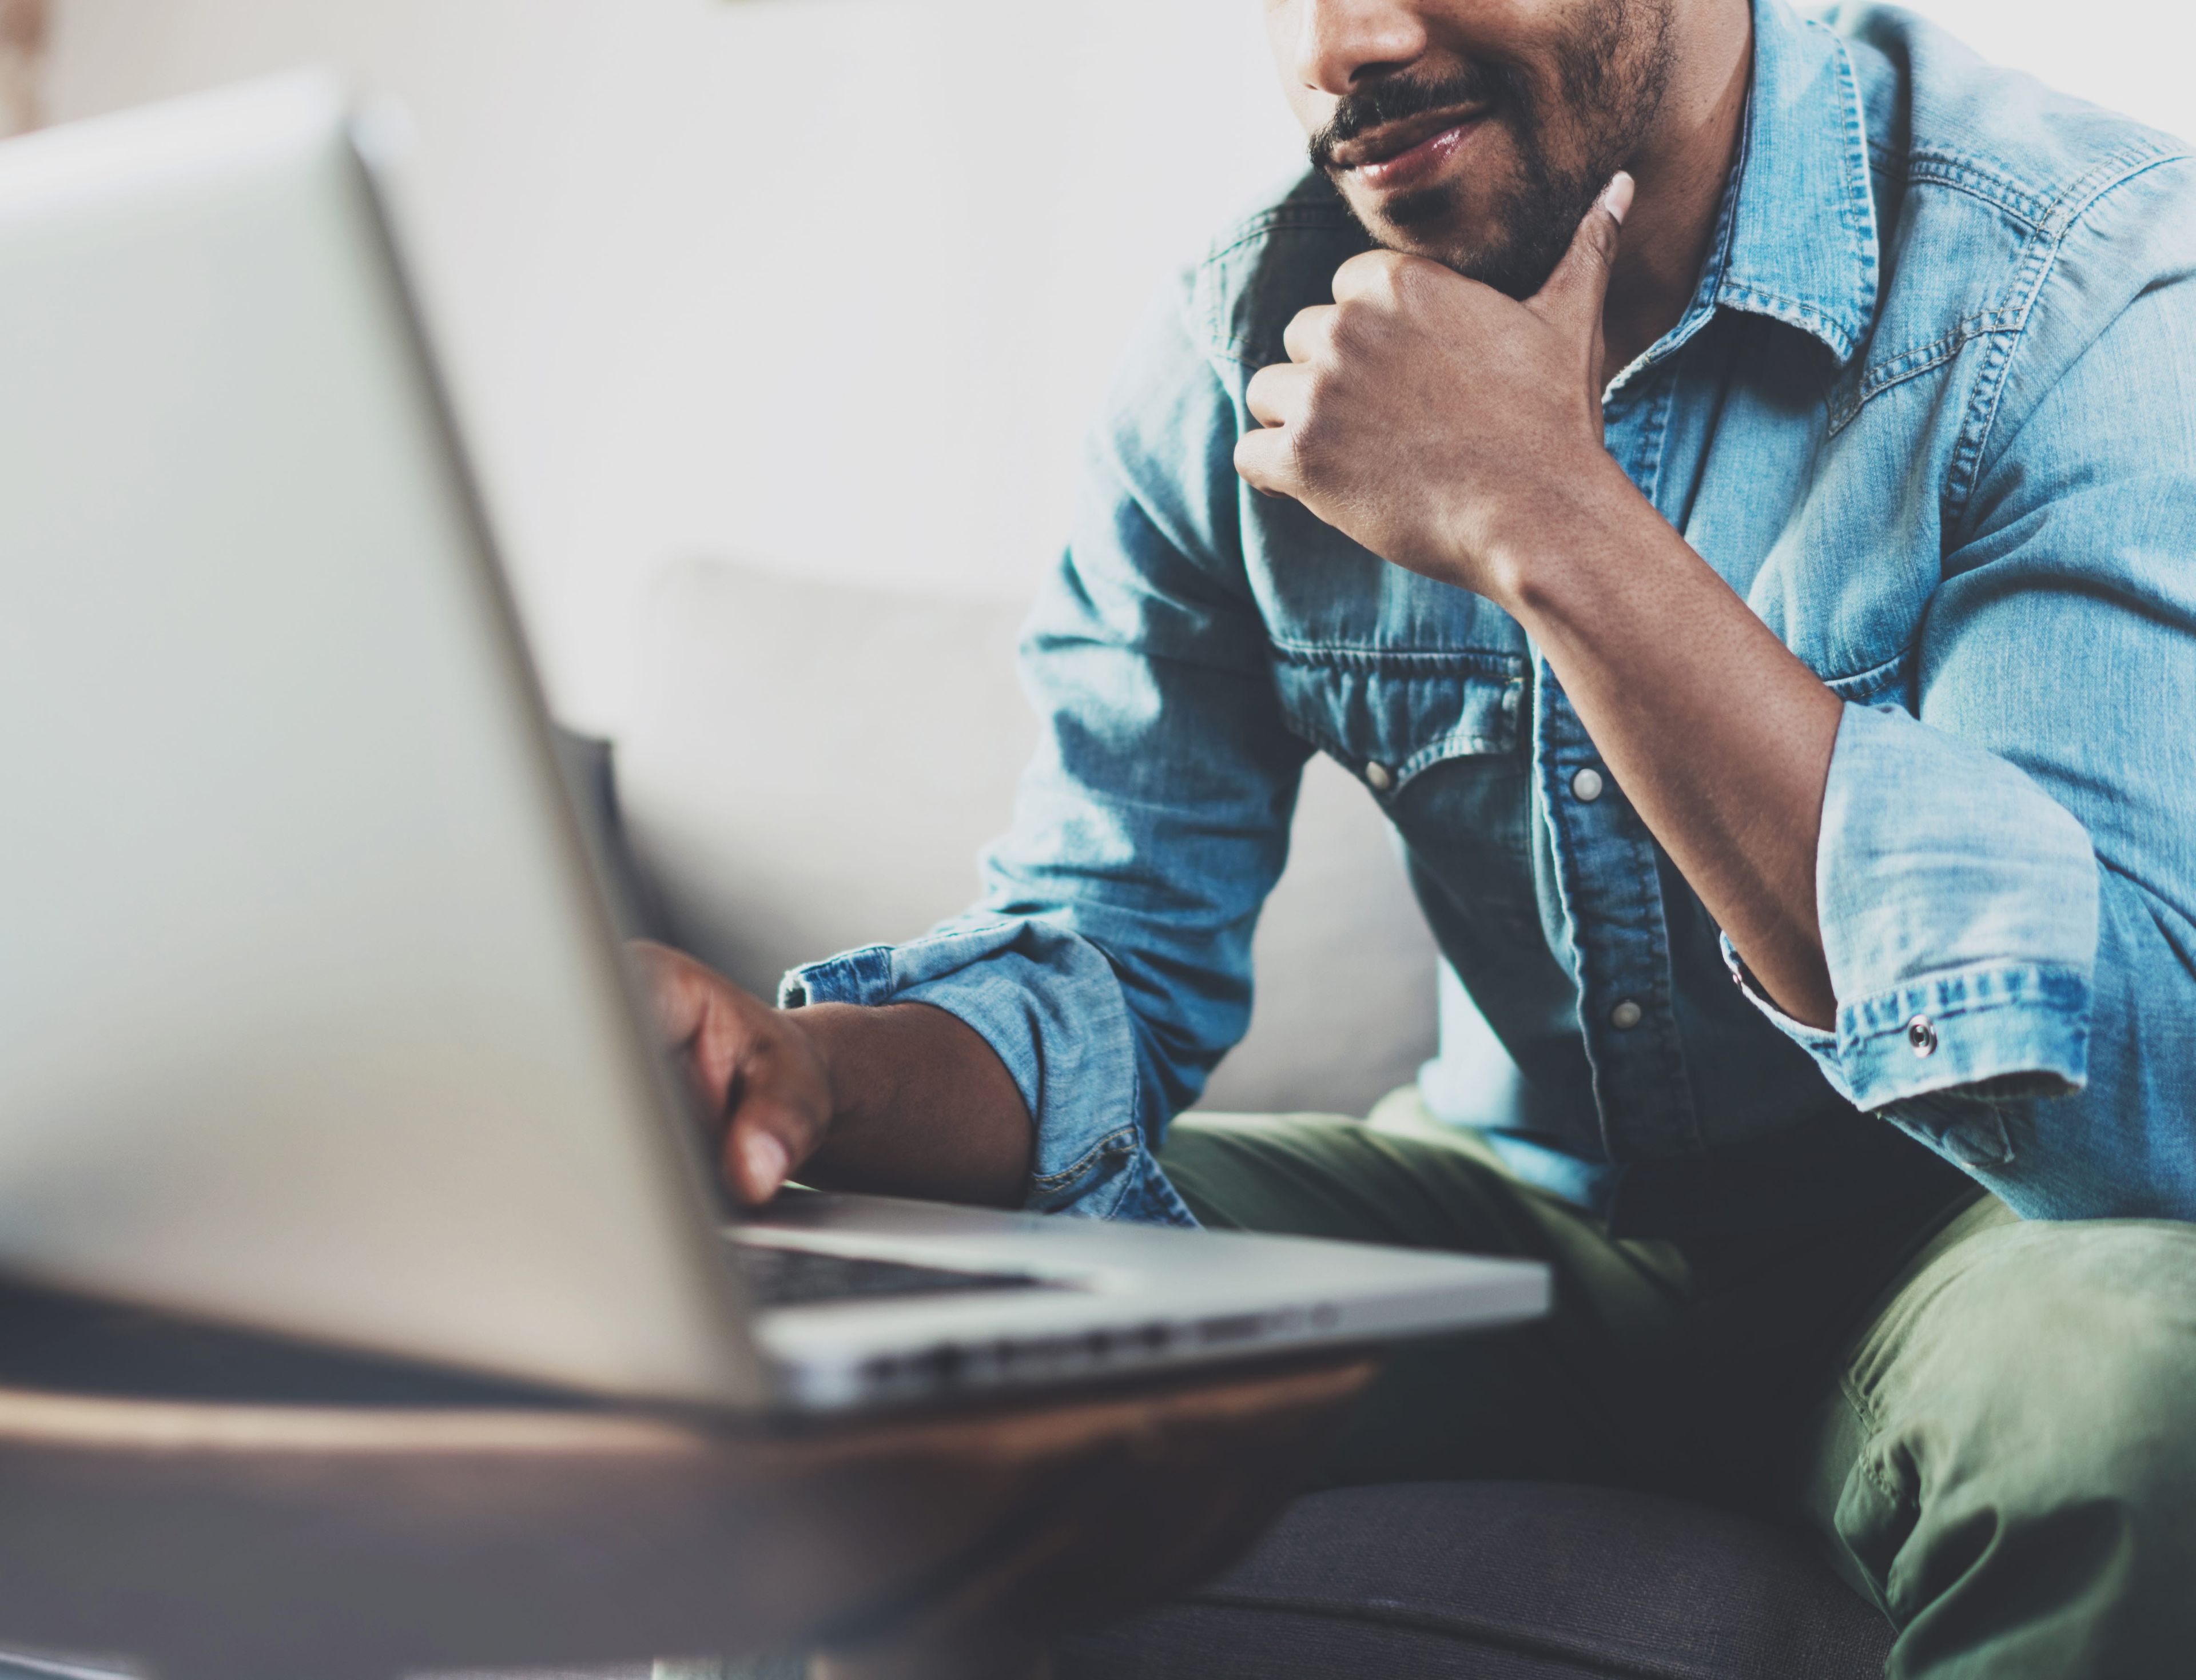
(1240, 1327)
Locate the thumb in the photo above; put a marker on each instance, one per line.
(1574, 294)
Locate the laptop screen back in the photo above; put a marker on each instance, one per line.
(309, 1017)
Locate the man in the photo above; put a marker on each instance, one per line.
(1726, 484)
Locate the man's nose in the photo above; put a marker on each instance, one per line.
(1340, 43)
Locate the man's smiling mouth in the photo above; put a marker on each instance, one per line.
(1389, 142)
(1411, 152)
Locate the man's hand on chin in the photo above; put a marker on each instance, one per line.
(1438, 422)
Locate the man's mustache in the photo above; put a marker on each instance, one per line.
(1392, 99)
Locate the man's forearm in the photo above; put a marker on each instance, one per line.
(921, 1106)
(1719, 735)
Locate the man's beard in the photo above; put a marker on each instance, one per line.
(1610, 87)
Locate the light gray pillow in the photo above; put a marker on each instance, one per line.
(814, 766)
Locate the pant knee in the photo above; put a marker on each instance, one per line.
(2066, 1346)
(2032, 1470)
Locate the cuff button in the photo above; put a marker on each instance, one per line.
(1921, 1035)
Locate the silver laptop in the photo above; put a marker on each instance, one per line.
(312, 1016)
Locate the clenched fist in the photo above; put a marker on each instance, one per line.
(1437, 422)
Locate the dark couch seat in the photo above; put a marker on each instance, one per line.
(1504, 1581)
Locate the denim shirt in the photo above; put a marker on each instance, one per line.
(1932, 413)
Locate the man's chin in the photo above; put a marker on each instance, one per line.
(1429, 222)
(1514, 256)
(1427, 217)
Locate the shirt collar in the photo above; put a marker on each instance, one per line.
(1799, 243)
(1795, 237)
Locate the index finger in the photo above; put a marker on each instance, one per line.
(1307, 330)
(1266, 460)
(676, 997)
(1381, 274)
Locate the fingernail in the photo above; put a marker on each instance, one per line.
(766, 1160)
(1616, 197)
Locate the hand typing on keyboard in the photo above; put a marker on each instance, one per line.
(899, 1099)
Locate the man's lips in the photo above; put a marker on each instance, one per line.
(1405, 153)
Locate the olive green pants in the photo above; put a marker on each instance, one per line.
(1990, 1422)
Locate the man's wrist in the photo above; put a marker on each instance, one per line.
(921, 1105)
(1539, 562)
(833, 1032)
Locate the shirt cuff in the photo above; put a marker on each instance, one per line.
(1958, 905)
(1048, 1004)
(1989, 1030)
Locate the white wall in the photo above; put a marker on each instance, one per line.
(827, 285)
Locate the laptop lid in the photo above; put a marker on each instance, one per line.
(310, 1015)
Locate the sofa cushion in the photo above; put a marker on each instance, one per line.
(813, 766)
(1504, 1581)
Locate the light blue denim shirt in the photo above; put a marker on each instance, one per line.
(1933, 413)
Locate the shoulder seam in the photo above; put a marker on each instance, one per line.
(2039, 210)
(2035, 269)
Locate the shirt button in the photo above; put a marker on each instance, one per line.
(1921, 1035)
(1625, 1016)
(1586, 785)
(1380, 777)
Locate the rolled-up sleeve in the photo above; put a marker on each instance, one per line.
(1108, 963)
(2006, 875)
(1958, 902)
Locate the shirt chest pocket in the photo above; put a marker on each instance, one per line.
(1387, 716)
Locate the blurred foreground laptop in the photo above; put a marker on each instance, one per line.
(312, 1016)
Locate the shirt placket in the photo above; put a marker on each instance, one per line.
(1606, 870)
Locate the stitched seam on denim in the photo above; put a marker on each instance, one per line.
(1640, 1667)
(1836, 324)
(2048, 219)
(1655, 437)
(1760, 294)
(2077, 202)
(1962, 175)
(1455, 744)
(1872, 680)
(1111, 1144)
(1858, 207)
(1618, 389)
(1881, 376)
(1962, 1010)
(1856, 210)
(1965, 173)
(1434, 661)
(2037, 998)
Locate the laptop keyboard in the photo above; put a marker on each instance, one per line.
(787, 1277)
